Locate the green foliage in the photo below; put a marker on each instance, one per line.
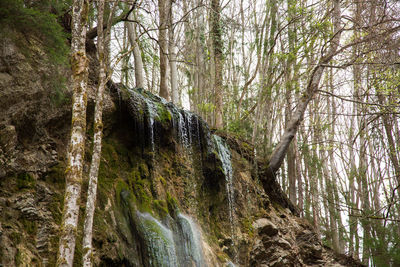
(206, 107)
(37, 22)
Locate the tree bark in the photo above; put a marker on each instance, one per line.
(137, 55)
(163, 43)
(172, 55)
(76, 150)
(216, 35)
(98, 130)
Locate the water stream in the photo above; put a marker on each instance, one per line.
(180, 247)
(191, 244)
(225, 157)
(159, 241)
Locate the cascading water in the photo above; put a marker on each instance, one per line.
(225, 157)
(184, 125)
(191, 242)
(159, 241)
(179, 244)
(150, 106)
(165, 248)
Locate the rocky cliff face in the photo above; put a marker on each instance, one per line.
(171, 192)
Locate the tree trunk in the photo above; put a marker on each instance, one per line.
(76, 150)
(98, 130)
(163, 43)
(137, 55)
(216, 35)
(172, 55)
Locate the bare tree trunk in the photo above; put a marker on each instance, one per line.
(76, 150)
(137, 55)
(172, 55)
(300, 186)
(98, 130)
(216, 33)
(163, 43)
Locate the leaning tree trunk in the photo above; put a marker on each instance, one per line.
(98, 130)
(279, 153)
(76, 150)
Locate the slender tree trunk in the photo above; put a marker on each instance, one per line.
(300, 186)
(98, 130)
(163, 44)
(216, 35)
(137, 55)
(172, 55)
(76, 150)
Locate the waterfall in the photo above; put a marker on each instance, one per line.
(176, 242)
(225, 157)
(184, 126)
(165, 248)
(190, 242)
(158, 240)
(149, 108)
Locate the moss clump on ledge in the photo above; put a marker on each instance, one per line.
(164, 116)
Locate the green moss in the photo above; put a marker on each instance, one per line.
(16, 237)
(56, 175)
(110, 155)
(29, 226)
(18, 258)
(172, 205)
(161, 207)
(101, 229)
(222, 257)
(162, 180)
(164, 116)
(120, 185)
(25, 181)
(248, 226)
(144, 170)
(55, 207)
